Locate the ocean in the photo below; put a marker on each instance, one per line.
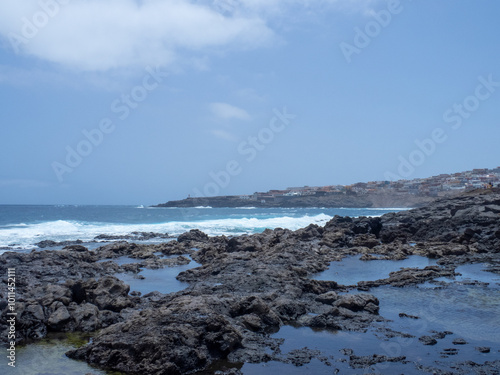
(23, 226)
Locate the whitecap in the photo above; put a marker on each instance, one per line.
(62, 230)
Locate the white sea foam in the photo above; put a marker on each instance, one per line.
(25, 236)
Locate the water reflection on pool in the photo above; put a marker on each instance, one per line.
(162, 280)
(351, 270)
(465, 309)
(47, 357)
(476, 272)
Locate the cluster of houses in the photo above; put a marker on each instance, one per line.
(431, 186)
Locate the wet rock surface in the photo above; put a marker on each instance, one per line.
(367, 361)
(246, 288)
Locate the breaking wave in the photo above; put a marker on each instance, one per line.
(27, 235)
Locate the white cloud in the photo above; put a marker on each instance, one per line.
(99, 35)
(105, 34)
(228, 112)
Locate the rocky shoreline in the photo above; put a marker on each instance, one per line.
(246, 289)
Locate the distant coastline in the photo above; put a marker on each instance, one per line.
(347, 200)
(374, 194)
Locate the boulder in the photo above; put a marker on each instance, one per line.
(327, 298)
(59, 318)
(109, 293)
(86, 317)
(193, 235)
(427, 340)
(359, 302)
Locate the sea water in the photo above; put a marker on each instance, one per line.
(22, 227)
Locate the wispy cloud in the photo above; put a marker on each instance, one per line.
(251, 95)
(225, 135)
(227, 111)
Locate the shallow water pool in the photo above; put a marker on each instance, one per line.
(162, 280)
(47, 357)
(351, 270)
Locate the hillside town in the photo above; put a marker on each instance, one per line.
(431, 186)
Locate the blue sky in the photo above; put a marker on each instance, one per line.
(140, 102)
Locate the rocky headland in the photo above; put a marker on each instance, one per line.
(246, 288)
(330, 200)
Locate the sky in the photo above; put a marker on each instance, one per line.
(145, 101)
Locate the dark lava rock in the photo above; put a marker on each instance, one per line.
(108, 293)
(171, 340)
(427, 340)
(193, 235)
(327, 298)
(441, 335)
(459, 342)
(404, 315)
(409, 276)
(483, 349)
(75, 248)
(347, 351)
(449, 351)
(469, 219)
(300, 357)
(231, 371)
(370, 360)
(48, 243)
(359, 302)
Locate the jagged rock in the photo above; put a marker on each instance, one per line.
(459, 341)
(288, 309)
(327, 298)
(366, 361)
(75, 248)
(449, 351)
(483, 349)
(404, 315)
(36, 311)
(157, 341)
(409, 276)
(300, 357)
(59, 317)
(427, 340)
(193, 235)
(359, 302)
(109, 293)
(54, 292)
(86, 317)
